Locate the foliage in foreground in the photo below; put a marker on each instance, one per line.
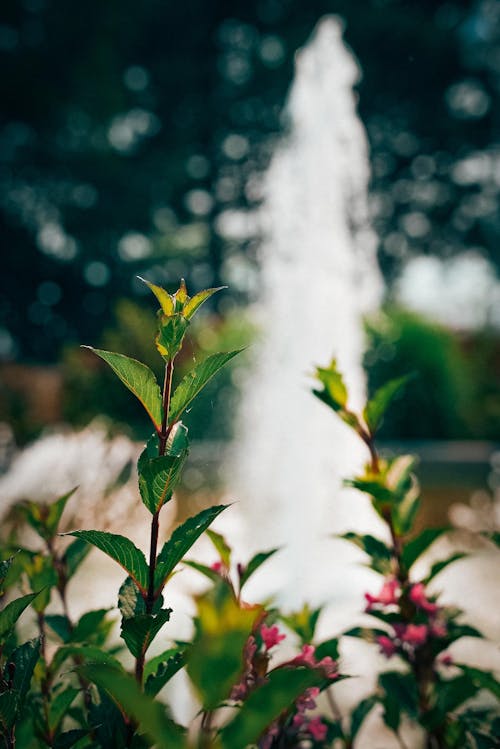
(68, 687)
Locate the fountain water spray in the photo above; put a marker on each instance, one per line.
(319, 277)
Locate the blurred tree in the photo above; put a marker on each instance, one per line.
(132, 137)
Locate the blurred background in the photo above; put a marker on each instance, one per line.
(133, 140)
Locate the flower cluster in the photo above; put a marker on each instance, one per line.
(428, 620)
(301, 727)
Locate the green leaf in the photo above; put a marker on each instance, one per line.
(139, 379)
(437, 567)
(380, 493)
(89, 625)
(360, 712)
(166, 301)
(181, 541)
(195, 381)
(170, 335)
(450, 694)
(328, 648)
(215, 658)
(59, 624)
(130, 600)
(150, 715)
(122, 550)
(75, 555)
(139, 631)
(380, 553)
(481, 679)
(69, 738)
(42, 577)
(368, 634)
(378, 404)
(207, 571)
(83, 654)
(221, 546)
(265, 704)
(24, 658)
(416, 547)
(254, 564)
(334, 386)
(9, 704)
(197, 300)
(403, 688)
(59, 706)
(5, 566)
(158, 478)
(11, 613)
(159, 670)
(303, 622)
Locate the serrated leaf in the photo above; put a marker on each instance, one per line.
(181, 541)
(415, 548)
(122, 550)
(139, 631)
(166, 301)
(378, 404)
(254, 564)
(11, 613)
(138, 378)
(59, 706)
(159, 670)
(150, 715)
(197, 300)
(359, 714)
(265, 704)
(450, 694)
(221, 546)
(376, 490)
(158, 478)
(195, 380)
(44, 518)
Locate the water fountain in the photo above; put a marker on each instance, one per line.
(319, 277)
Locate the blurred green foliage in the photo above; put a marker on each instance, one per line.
(455, 394)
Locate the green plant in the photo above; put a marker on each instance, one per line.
(413, 628)
(80, 692)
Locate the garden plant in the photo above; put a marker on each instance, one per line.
(73, 684)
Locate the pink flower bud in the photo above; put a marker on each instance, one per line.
(415, 634)
(418, 597)
(387, 646)
(271, 636)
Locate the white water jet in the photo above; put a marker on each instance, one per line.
(319, 277)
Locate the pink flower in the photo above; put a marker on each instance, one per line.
(387, 646)
(307, 701)
(307, 658)
(438, 629)
(216, 566)
(415, 634)
(269, 736)
(418, 597)
(271, 636)
(445, 659)
(317, 729)
(388, 595)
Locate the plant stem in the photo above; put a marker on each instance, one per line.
(155, 522)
